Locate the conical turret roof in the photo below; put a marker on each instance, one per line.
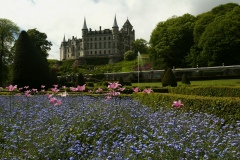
(84, 25)
(115, 23)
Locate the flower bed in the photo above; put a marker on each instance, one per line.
(86, 127)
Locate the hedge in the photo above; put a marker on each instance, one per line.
(212, 91)
(223, 107)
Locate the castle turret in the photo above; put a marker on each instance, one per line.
(115, 26)
(63, 49)
(84, 29)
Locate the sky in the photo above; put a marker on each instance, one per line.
(57, 18)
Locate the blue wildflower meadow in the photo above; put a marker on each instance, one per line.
(86, 127)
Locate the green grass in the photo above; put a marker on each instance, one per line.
(223, 82)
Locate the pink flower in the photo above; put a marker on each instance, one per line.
(55, 85)
(121, 89)
(11, 87)
(136, 89)
(59, 102)
(90, 91)
(34, 90)
(26, 87)
(27, 93)
(42, 86)
(73, 89)
(99, 90)
(55, 90)
(52, 100)
(177, 104)
(147, 91)
(81, 88)
(113, 85)
(113, 93)
(108, 98)
(49, 95)
(63, 87)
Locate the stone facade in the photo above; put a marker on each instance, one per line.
(110, 43)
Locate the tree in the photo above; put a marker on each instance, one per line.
(169, 79)
(220, 42)
(140, 45)
(185, 79)
(8, 32)
(41, 42)
(130, 55)
(171, 41)
(80, 80)
(30, 68)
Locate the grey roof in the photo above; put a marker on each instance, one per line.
(84, 25)
(115, 23)
(64, 38)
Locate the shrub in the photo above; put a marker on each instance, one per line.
(90, 84)
(30, 68)
(130, 55)
(80, 80)
(185, 79)
(120, 81)
(169, 79)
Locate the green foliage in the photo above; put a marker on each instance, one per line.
(40, 41)
(185, 79)
(140, 45)
(53, 76)
(30, 68)
(169, 79)
(210, 91)
(8, 32)
(224, 107)
(120, 81)
(129, 55)
(80, 80)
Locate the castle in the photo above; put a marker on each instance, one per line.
(106, 43)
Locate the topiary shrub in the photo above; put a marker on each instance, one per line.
(169, 79)
(130, 55)
(80, 80)
(185, 79)
(29, 67)
(120, 81)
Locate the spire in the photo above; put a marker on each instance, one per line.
(115, 23)
(64, 38)
(84, 25)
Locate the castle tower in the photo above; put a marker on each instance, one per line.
(84, 39)
(84, 29)
(63, 49)
(115, 32)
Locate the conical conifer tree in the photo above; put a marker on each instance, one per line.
(169, 79)
(29, 69)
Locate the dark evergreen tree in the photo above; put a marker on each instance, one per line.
(53, 76)
(185, 79)
(120, 81)
(169, 79)
(30, 69)
(80, 80)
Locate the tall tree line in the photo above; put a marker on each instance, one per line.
(209, 39)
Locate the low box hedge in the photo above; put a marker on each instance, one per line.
(223, 107)
(212, 91)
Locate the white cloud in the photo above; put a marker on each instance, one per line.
(59, 17)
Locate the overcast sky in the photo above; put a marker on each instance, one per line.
(59, 17)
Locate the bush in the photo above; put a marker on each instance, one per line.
(120, 81)
(130, 55)
(185, 79)
(80, 80)
(90, 84)
(169, 79)
(29, 67)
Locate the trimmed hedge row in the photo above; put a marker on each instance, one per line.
(212, 91)
(223, 107)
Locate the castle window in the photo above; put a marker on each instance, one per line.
(109, 44)
(90, 45)
(104, 51)
(109, 38)
(95, 52)
(104, 44)
(95, 38)
(95, 45)
(91, 52)
(99, 38)
(90, 39)
(109, 51)
(104, 38)
(99, 52)
(100, 45)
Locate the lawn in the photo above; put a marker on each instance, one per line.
(233, 82)
(87, 127)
